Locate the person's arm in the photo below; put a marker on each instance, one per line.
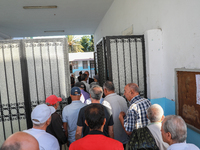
(78, 132)
(110, 132)
(65, 127)
(121, 119)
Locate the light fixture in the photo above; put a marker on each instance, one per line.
(4, 36)
(40, 7)
(55, 31)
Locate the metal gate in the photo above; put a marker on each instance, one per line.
(31, 70)
(121, 59)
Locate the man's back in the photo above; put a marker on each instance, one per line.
(70, 115)
(117, 104)
(56, 128)
(95, 140)
(46, 141)
(81, 120)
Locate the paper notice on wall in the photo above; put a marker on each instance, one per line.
(198, 88)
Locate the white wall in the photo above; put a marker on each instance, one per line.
(154, 55)
(180, 25)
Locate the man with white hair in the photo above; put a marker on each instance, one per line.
(41, 118)
(155, 114)
(174, 132)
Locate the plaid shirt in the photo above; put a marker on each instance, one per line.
(136, 115)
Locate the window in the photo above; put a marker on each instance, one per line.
(92, 64)
(85, 64)
(75, 64)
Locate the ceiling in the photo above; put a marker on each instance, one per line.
(75, 17)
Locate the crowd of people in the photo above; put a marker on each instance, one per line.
(93, 122)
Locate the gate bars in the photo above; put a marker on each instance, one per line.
(31, 70)
(11, 98)
(124, 58)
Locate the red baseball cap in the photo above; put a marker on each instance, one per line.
(53, 99)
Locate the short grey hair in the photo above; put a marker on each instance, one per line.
(96, 92)
(177, 127)
(109, 86)
(155, 113)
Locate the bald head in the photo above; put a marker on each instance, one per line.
(134, 87)
(20, 141)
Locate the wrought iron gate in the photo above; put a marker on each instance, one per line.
(31, 70)
(121, 59)
(101, 61)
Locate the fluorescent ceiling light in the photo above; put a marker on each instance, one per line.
(39, 7)
(4, 36)
(55, 31)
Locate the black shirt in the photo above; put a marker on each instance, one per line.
(81, 120)
(56, 128)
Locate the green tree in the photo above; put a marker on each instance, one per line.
(74, 46)
(88, 43)
(91, 47)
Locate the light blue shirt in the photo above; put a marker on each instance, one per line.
(70, 115)
(182, 146)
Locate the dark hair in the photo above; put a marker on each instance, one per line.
(94, 115)
(109, 86)
(83, 76)
(80, 85)
(80, 72)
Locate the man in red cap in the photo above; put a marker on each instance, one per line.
(56, 126)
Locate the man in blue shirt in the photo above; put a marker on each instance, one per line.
(70, 114)
(136, 115)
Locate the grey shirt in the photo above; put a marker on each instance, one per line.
(117, 104)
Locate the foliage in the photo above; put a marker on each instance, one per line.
(87, 43)
(74, 46)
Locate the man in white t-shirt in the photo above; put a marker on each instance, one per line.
(41, 118)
